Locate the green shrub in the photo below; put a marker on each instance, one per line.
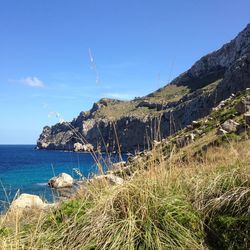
(68, 209)
(223, 114)
(227, 231)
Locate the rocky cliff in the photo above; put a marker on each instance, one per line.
(134, 125)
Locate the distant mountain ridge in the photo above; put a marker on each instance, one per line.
(135, 124)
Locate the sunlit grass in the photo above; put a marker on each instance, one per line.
(182, 205)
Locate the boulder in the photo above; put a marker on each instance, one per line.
(27, 201)
(63, 180)
(244, 105)
(242, 128)
(230, 126)
(111, 178)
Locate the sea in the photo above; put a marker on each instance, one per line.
(23, 169)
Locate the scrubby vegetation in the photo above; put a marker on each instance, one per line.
(196, 196)
(169, 93)
(174, 204)
(114, 109)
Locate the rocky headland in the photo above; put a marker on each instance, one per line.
(113, 125)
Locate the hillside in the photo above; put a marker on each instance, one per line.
(133, 125)
(190, 191)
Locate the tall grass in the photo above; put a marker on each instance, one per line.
(171, 205)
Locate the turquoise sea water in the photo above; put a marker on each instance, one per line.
(23, 169)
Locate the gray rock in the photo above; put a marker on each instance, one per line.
(242, 128)
(243, 106)
(230, 126)
(221, 131)
(26, 202)
(63, 180)
(112, 179)
(247, 118)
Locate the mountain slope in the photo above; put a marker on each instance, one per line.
(191, 194)
(131, 125)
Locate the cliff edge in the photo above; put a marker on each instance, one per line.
(133, 125)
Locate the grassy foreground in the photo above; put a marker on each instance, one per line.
(172, 205)
(175, 204)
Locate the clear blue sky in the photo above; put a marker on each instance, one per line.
(61, 56)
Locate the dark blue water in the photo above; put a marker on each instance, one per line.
(27, 170)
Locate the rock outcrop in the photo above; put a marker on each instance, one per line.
(83, 147)
(244, 105)
(128, 126)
